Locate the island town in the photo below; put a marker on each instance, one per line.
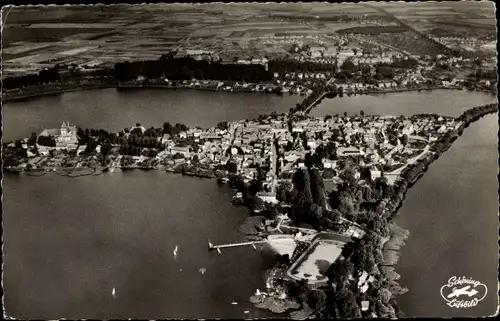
(322, 192)
(278, 166)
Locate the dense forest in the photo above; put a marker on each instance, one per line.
(189, 68)
(292, 65)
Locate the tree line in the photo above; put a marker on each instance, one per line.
(476, 112)
(293, 65)
(188, 68)
(46, 76)
(341, 297)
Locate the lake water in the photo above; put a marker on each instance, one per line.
(114, 110)
(452, 215)
(69, 241)
(444, 102)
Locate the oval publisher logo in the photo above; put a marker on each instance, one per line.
(462, 292)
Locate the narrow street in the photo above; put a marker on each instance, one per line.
(393, 176)
(274, 160)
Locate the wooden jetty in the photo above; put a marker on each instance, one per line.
(251, 243)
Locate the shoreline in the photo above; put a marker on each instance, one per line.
(62, 171)
(17, 96)
(392, 245)
(420, 166)
(408, 177)
(326, 94)
(34, 95)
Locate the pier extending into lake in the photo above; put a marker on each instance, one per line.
(221, 246)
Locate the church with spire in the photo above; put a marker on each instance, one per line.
(65, 137)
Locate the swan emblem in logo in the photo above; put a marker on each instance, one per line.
(462, 292)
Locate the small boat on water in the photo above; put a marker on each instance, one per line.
(176, 249)
(113, 292)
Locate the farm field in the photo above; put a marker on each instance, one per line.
(428, 15)
(45, 35)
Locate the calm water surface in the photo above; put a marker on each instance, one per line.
(452, 215)
(444, 102)
(114, 110)
(69, 241)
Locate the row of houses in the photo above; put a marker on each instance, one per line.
(341, 53)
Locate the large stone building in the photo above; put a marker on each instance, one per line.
(68, 137)
(65, 137)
